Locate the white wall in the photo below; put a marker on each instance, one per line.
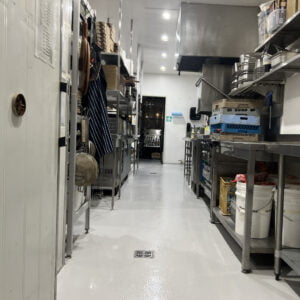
(291, 109)
(180, 93)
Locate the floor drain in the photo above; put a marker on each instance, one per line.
(144, 254)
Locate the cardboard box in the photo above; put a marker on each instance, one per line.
(112, 32)
(105, 36)
(292, 8)
(237, 103)
(112, 77)
(235, 137)
(227, 194)
(114, 81)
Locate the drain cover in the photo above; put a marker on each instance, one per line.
(144, 254)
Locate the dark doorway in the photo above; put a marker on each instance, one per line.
(152, 128)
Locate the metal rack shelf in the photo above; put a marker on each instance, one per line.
(284, 148)
(113, 59)
(241, 150)
(81, 11)
(288, 33)
(206, 190)
(292, 258)
(87, 9)
(256, 245)
(249, 152)
(125, 104)
(275, 76)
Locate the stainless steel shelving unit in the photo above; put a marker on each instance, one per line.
(119, 161)
(251, 152)
(283, 37)
(196, 163)
(288, 33)
(187, 159)
(116, 166)
(290, 256)
(81, 10)
(277, 75)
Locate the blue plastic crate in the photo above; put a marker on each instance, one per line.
(234, 119)
(235, 128)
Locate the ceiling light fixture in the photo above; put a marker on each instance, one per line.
(176, 54)
(164, 55)
(164, 38)
(166, 15)
(163, 68)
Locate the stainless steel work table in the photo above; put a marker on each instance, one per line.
(290, 256)
(251, 152)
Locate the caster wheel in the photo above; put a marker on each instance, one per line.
(246, 271)
(212, 222)
(86, 231)
(277, 277)
(68, 256)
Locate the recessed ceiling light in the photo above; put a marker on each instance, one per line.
(164, 38)
(176, 54)
(166, 15)
(163, 68)
(164, 55)
(174, 69)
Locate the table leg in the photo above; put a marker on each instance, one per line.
(279, 217)
(246, 250)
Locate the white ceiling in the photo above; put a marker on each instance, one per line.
(149, 26)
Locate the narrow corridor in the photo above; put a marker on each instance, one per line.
(159, 212)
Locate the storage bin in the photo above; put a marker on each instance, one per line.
(261, 213)
(275, 19)
(227, 194)
(234, 119)
(262, 27)
(291, 216)
(235, 128)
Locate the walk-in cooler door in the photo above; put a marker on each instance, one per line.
(29, 59)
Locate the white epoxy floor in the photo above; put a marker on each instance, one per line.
(159, 212)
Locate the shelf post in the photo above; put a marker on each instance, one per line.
(73, 128)
(246, 250)
(88, 211)
(279, 217)
(214, 183)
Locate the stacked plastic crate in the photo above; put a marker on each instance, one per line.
(236, 120)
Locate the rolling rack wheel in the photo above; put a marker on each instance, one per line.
(246, 271)
(277, 277)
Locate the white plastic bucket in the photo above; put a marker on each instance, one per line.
(261, 212)
(291, 216)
